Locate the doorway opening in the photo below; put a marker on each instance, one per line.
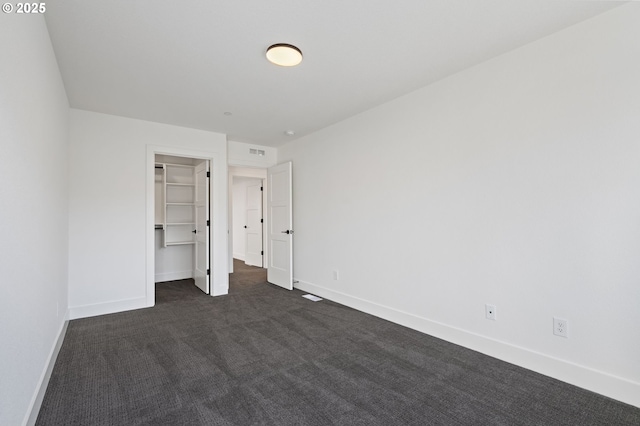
(182, 221)
(277, 219)
(247, 217)
(248, 220)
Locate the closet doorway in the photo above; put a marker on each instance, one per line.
(182, 220)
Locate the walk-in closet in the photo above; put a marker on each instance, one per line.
(182, 220)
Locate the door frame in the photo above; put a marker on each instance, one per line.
(219, 279)
(235, 226)
(250, 172)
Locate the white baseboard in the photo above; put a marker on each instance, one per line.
(107, 308)
(38, 397)
(596, 381)
(172, 276)
(239, 256)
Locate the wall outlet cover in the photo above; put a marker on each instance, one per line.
(560, 327)
(490, 311)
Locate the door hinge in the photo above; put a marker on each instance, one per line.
(261, 220)
(262, 253)
(208, 271)
(208, 223)
(261, 189)
(208, 174)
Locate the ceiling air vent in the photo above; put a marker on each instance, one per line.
(254, 151)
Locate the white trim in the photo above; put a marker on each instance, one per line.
(172, 276)
(239, 256)
(597, 381)
(96, 309)
(43, 383)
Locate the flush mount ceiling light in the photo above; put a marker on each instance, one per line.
(285, 55)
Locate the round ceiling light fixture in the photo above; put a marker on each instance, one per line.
(285, 55)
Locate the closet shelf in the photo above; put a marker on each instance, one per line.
(180, 184)
(178, 189)
(186, 166)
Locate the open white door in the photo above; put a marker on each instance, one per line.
(201, 267)
(253, 234)
(280, 268)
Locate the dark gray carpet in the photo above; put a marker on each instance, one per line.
(264, 355)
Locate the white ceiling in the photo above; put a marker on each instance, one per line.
(188, 62)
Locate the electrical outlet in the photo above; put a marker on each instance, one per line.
(560, 327)
(490, 311)
(335, 275)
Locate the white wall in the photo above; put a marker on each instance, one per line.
(111, 208)
(172, 262)
(34, 116)
(514, 183)
(239, 155)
